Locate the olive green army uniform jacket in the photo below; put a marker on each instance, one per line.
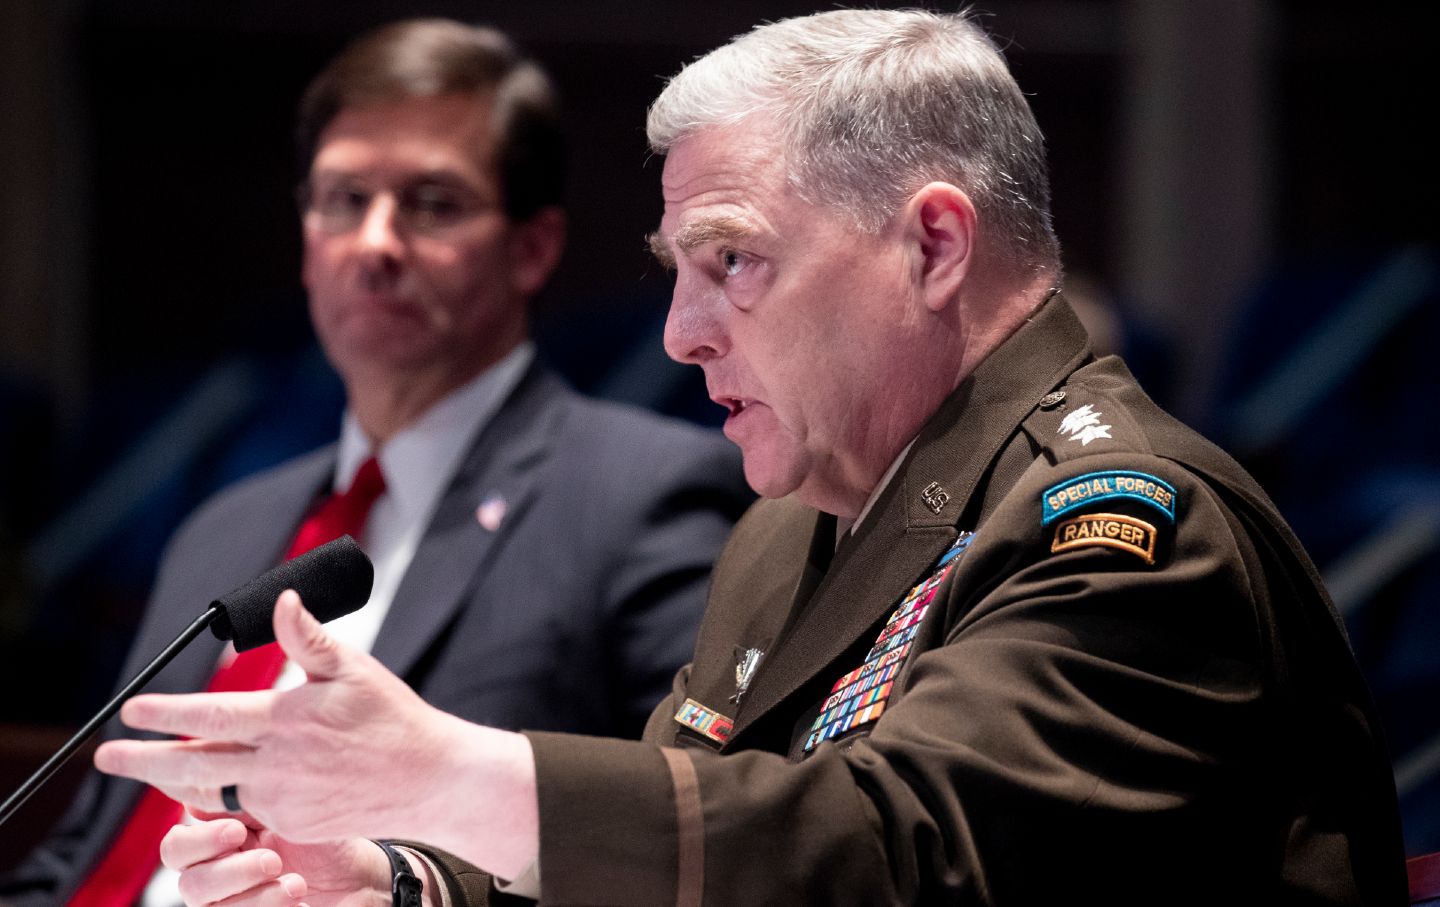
(1071, 651)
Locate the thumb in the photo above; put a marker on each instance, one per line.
(304, 640)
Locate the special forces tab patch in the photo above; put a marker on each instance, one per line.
(1108, 485)
(1106, 530)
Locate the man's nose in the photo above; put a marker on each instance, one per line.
(380, 228)
(694, 333)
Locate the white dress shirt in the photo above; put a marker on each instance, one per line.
(418, 464)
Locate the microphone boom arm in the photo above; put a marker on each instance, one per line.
(53, 764)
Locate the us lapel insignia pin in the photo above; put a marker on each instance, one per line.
(935, 497)
(748, 661)
(491, 512)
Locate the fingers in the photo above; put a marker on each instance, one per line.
(240, 717)
(214, 869)
(304, 640)
(191, 771)
(185, 845)
(251, 877)
(205, 815)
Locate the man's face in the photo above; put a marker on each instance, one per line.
(806, 329)
(410, 262)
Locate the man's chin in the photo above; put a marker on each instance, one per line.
(768, 478)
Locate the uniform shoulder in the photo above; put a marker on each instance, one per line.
(1099, 409)
(1101, 416)
(1111, 469)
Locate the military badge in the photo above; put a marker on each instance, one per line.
(1108, 485)
(705, 721)
(1107, 530)
(1083, 425)
(859, 697)
(746, 663)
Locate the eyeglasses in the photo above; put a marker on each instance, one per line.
(426, 208)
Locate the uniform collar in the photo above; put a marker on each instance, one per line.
(958, 444)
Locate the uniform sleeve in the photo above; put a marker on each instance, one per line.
(1080, 718)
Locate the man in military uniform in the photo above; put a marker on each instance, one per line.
(1007, 634)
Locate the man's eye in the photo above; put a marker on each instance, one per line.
(430, 206)
(733, 262)
(343, 200)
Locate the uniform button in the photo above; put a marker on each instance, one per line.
(1052, 399)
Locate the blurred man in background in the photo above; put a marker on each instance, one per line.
(541, 559)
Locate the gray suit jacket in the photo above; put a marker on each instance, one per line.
(573, 615)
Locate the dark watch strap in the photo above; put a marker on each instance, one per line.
(405, 886)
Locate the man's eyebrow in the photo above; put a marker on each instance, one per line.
(436, 176)
(697, 233)
(660, 251)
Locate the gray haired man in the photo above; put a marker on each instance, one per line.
(1006, 632)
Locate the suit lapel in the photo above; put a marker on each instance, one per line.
(455, 550)
(919, 514)
(254, 537)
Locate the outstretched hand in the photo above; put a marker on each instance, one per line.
(353, 752)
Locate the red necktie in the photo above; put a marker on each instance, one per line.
(120, 878)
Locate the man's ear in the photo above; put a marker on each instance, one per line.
(535, 248)
(940, 220)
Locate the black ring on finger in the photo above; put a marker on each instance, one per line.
(231, 798)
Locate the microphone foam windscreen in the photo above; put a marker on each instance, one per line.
(333, 579)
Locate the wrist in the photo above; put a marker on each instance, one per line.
(492, 771)
(402, 880)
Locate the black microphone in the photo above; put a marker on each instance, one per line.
(333, 580)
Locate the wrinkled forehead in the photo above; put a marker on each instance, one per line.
(719, 180)
(749, 151)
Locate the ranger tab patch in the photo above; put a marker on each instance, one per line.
(705, 721)
(1106, 530)
(1108, 485)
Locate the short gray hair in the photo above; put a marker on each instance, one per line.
(874, 104)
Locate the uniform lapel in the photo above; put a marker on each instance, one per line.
(919, 514)
(868, 574)
(454, 552)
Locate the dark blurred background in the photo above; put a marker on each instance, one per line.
(1246, 208)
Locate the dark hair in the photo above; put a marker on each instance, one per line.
(426, 57)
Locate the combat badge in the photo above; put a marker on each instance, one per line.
(745, 664)
(1106, 530)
